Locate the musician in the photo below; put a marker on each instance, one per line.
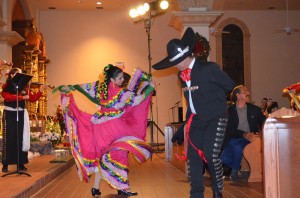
(13, 129)
(204, 85)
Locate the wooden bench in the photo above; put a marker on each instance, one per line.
(253, 155)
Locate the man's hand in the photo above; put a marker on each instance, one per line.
(249, 136)
(26, 97)
(179, 135)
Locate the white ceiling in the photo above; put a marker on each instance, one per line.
(127, 4)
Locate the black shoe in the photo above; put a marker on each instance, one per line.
(234, 178)
(95, 192)
(217, 195)
(127, 193)
(22, 168)
(5, 168)
(226, 170)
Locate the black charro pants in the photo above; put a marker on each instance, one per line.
(207, 136)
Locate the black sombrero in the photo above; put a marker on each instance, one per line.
(178, 50)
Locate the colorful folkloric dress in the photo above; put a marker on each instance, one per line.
(103, 140)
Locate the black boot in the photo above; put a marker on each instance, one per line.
(22, 167)
(5, 168)
(217, 195)
(127, 193)
(95, 192)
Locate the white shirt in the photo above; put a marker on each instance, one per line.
(188, 83)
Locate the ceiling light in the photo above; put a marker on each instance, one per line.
(155, 8)
(146, 7)
(140, 10)
(133, 13)
(164, 5)
(98, 3)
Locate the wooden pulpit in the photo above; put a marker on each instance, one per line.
(281, 148)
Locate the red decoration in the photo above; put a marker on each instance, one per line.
(202, 47)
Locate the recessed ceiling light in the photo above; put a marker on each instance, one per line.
(98, 3)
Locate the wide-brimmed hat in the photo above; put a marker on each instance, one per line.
(178, 50)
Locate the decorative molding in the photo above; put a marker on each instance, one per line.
(180, 19)
(186, 4)
(10, 37)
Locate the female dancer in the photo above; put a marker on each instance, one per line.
(100, 143)
(13, 129)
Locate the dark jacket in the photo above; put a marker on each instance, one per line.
(209, 99)
(255, 120)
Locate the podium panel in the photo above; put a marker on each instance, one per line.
(173, 148)
(253, 155)
(281, 156)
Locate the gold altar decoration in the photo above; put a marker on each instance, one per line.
(35, 63)
(293, 92)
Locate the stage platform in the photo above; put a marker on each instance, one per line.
(43, 170)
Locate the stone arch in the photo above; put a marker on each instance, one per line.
(246, 43)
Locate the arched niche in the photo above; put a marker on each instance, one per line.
(246, 46)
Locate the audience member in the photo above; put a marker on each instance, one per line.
(272, 107)
(263, 104)
(244, 120)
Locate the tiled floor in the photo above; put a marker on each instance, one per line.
(154, 179)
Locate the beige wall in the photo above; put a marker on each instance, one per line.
(274, 57)
(81, 43)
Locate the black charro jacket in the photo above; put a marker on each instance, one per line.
(211, 86)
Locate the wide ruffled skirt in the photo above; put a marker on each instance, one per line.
(104, 147)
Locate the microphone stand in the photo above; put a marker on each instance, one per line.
(18, 147)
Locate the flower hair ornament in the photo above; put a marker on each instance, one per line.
(103, 81)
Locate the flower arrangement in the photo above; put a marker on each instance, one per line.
(202, 47)
(52, 130)
(54, 137)
(55, 129)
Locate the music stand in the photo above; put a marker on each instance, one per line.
(18, 82)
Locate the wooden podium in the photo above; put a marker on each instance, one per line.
(171, 149)
(253, 155)
(281, 155)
